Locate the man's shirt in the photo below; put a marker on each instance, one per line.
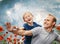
(41, 36)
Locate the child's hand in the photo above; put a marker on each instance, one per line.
(8, 26)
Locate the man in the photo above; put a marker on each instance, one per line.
(42, 35)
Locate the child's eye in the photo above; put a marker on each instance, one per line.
(28, 16)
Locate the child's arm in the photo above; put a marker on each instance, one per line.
(19, 31)
(8, 26)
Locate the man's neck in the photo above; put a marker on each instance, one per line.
(49, 29)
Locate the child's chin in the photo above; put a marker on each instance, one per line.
(29, 21)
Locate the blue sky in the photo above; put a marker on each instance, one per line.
(12, 10)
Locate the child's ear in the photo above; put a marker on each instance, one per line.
(24, 20)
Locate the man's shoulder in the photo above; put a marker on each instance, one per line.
(38, 28)
(55, 33)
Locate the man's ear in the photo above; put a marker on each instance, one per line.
(54, 24)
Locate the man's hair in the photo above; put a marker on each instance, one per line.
(54, 18)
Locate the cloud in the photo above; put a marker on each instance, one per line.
(58, 0)
(17, 6)
(1, 0)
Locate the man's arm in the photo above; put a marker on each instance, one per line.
(25, 33)
(31, 32)
(34, 32)
(58, 37)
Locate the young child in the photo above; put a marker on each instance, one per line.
(28, 18)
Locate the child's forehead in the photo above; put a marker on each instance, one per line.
(28, 14)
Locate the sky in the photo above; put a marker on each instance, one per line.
(13, 10)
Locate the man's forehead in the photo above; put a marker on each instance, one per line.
(49, 17)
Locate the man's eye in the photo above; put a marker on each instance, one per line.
(47, 20)
(44, 19)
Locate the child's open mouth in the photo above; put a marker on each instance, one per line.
(29, 19)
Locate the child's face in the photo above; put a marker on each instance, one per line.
(28, 18)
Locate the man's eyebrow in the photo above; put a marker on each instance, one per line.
(44, 19)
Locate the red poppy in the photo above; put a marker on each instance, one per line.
(1, 29)
(8, 39)
(18, 39)
(18, 42)
(58, 27)
(14, 42)
(15, 39)
(15, 35)
(1, 38)
(4, 35)
(10, 42)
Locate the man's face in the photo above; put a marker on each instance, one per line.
(48, 22)
(28, 18)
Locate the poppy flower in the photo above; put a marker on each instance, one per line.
(15, 35)
(4, 35)
(18, 42)
(14, 42)
(58, 27)
(1, 29)
(18, 39)
(8, 39)
(1, 37)
(15, 39)
(10, 42)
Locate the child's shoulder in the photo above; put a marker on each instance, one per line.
(25, 24)
(37, 24)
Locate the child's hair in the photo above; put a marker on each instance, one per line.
(26, 13)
